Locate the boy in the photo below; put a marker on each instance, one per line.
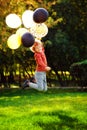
(41, 68)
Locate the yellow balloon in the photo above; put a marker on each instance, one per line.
(13, 41)
(21, 31)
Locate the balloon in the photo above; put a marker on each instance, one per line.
(13, 41)
(27, 19)
(27, 39)
(21, 31)
(39, 30)
(13, 21)
(40, 15)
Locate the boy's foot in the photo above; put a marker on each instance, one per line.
(25, 84)
(32, 79)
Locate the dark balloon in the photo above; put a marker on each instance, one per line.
(40, 15)
(27, 39)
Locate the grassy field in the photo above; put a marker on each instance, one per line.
(56, 109)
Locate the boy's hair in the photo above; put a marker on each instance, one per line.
(33, 47)
(36, 43)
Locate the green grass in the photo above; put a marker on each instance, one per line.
(53, 110)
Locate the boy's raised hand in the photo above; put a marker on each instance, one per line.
(48, 68)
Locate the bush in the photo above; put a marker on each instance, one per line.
(78, 72)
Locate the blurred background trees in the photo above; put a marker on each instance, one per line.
(64, 44)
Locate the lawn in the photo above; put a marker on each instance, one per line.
(56, 109)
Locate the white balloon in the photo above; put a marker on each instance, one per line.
(39, 30)
(13, 21)
(27, 18)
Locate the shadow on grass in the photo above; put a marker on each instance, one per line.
(19, 92)
(64, 122)
(25, 92)
(18, 97)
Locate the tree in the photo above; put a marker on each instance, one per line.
(72, 46)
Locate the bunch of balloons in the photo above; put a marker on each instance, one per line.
(34, 27)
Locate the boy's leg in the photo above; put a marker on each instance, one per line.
(39, 76)
(45, 83)
(39, 82)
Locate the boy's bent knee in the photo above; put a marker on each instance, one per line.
(40, 88)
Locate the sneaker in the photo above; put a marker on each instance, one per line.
(32, 79)
(25, 84)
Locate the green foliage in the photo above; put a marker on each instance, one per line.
(61, 51)
(79, 72)
(56, 109)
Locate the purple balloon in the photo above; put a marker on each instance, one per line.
(27, 39)
(40, 15)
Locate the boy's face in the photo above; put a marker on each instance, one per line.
(38, 48)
